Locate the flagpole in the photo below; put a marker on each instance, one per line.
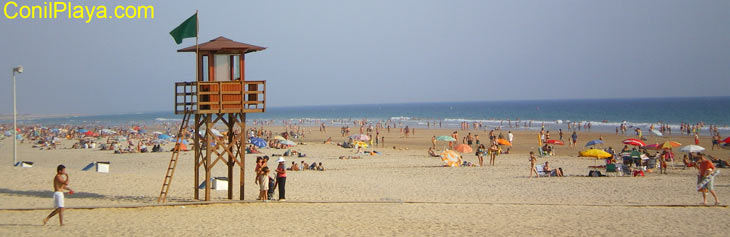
(197, 57)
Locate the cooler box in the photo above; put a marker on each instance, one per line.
(26, 164)
(220, 183)
(102, 166)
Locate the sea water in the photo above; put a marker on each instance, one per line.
(603, 114)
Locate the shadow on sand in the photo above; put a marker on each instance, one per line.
(86, 195)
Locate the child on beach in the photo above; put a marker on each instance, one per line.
(263, 181)
(533, 161)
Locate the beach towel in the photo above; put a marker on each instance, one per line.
(707, 180)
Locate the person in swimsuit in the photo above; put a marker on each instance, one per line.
(60, 183)
(533, 161)
(481, 151)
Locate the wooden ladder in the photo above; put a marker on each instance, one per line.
(173, 160)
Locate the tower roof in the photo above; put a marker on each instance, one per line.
(223, 44)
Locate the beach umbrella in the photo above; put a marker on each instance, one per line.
(164, 137)
(182, 147)
(259, 142)
(555, 142)
(655, 146)
(132, 130)
(670, 144)
(463, 148)
(216, 132)
(634, 142)
(692, 148)
(55, 130)
(595, 153)
(727, 140)
(594, 142)
(143, 131)
(158, 141)
(291, 143)
(445, 138)
(503, 141)
(656, 132)
(360, 144)
(89, 133)
(451, 158)
(82, 130)
(157, 133)
(360, 137)
(279, 138)
(108, 131)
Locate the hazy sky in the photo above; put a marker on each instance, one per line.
(365, 52)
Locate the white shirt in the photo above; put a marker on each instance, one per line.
(510, 136)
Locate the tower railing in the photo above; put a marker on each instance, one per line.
(212, 97)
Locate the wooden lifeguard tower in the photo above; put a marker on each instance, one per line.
(219, 94)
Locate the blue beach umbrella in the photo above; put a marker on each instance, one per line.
(594, 142)
(82, 130)
(164, 137)
(258, 142)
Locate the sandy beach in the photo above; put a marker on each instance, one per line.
(400, 192)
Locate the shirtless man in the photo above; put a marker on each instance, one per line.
(60, 183)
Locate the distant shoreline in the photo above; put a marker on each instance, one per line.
(38, 116)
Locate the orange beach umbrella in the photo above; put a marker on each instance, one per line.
(502, 141)
(463, 148)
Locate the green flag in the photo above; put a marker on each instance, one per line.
(188, 29)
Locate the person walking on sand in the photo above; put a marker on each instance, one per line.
(574, 137)
(433, 142)
(281, 179)
(510, 136)
(493, 150)
(60, 183)
(706, 176)
(533, 162)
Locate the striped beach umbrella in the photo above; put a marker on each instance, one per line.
(670, 144)
(634, 142)
(655, 146)
(451, 158)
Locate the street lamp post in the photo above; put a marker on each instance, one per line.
(18, 69)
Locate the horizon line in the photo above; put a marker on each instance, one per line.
(395, 103)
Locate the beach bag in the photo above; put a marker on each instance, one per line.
(271, 187)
